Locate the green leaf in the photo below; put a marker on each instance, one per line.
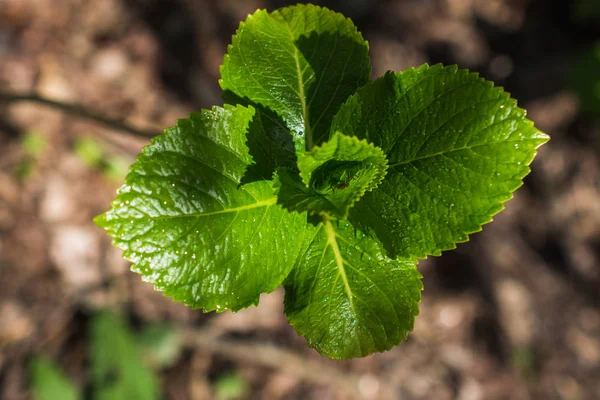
(301, 62)
(270, 145)
(189, 227)
(160, 346)
(49, 383)
(314, 178)
(89, 151)
(230, 386)
(117, 369)
(34, 144)
(346, 297)
(456, 147)
(332, 177)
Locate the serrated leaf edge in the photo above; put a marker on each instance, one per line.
(101, 221)
(541, 136)
(331, 236)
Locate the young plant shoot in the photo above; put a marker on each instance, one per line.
(313, 177)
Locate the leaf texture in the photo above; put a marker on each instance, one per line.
(313, 177)
(301, 62)
(346, 297)
(457, 148)
(332, 177)
(189, 227)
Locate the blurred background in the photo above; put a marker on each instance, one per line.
(513, 314)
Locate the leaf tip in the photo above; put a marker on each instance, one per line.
(100, 220)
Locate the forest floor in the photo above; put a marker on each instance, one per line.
(513, 314)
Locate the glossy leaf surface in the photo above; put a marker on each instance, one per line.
(315, 177)
(332, 177)
(189, 227)
(301, 62)
(457, 148)
(346, 297)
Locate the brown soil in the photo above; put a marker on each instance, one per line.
(513, 314)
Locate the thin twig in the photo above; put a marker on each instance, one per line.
(273, 357)
(76, 111)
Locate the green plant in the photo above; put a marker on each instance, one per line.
(33, 144)
(117, 370)
(49, 383)
(230, 386)
(94, 155)
(313, 177)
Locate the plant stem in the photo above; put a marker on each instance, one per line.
(76, 111)
(271, 356)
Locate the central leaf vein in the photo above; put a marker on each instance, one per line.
(410, 161)
(263, 203)
(301, 94)
(339, 260)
